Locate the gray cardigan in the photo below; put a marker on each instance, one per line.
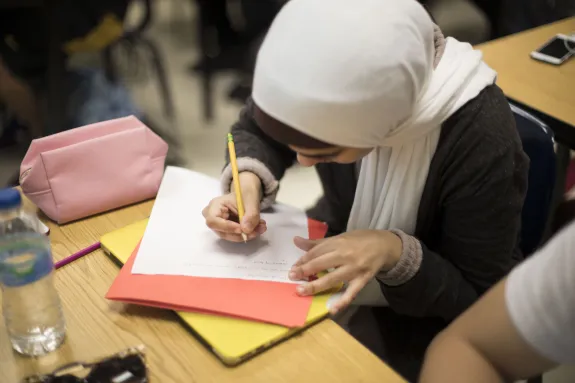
(466, 236)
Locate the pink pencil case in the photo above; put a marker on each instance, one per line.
(92, 169)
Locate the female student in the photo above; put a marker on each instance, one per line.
(422, 169)
(524, 326)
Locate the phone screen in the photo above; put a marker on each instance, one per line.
(555, 48)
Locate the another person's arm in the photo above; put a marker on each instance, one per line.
(522, 327)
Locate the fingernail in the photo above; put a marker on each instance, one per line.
(292, 275)
(301, 289)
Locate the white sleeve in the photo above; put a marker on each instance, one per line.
(540, 297)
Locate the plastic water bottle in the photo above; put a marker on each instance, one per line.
(30, 304)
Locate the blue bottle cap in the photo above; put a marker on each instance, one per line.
(10, 199)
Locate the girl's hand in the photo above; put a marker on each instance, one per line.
(357, 257)
(221, 214)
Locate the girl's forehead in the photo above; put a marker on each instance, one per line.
(284, 133)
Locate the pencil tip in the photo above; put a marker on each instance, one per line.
(245, 237)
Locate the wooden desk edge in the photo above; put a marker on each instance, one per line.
(373, 368)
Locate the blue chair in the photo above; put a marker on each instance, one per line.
(538, 144)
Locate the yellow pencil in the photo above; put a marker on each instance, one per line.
(236, 177)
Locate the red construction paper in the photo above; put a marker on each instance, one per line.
(269, 302)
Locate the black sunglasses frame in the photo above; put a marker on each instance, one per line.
(128, 366)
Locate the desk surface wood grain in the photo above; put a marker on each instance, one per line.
(550, 89)
(97, 328)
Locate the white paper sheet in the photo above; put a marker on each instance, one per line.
(177, 241)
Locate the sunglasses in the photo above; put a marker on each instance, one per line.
(128, 366)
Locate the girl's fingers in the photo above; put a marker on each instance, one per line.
(327, 282)
(306, 244)
(261, 228)
(236, 237)
(316, 248)
(217, 214)
(353, 288)
(223, 225)
(251, 219)
(314, 266)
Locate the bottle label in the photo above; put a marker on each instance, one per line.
(24, 262)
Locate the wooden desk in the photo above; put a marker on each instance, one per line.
(544, 87)
(97, 327)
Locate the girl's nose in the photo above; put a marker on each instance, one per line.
(307, 161)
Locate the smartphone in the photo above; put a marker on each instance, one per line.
(555, 51)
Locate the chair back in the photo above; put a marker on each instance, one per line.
(538, 144)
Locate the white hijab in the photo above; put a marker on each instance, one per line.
(359, 73)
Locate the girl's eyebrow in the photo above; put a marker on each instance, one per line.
(335, 153)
